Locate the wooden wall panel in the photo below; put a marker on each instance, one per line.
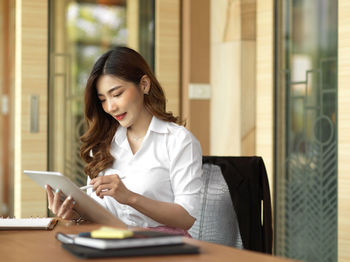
(225, 21)
(31, 79)
(248, 97)
(233, 75)
(225, 128)
(167, 51)
(7, 40)
(185, 59)
(132, 23)
(200, 42)
(225, 78)
(248, 20)
(195, 68)
(3, 39)
(200, 122)
(343, 131)
(264, 85)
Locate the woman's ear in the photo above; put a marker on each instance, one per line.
(145, 84)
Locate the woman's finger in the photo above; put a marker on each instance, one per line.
(50, 195)
(107, 192)
(103, 188)
(102, 181)
(68, 215)
(118, 191)
(96, 182)
(56, 202)
(66, 208)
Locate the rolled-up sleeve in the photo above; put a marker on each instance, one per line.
(186, 170)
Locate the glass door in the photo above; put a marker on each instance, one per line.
(306, 57)
(80, 31)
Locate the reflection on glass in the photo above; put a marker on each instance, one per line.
(306, 130)
(92, 29)
(80, 31)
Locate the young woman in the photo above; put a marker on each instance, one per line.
(144, 167)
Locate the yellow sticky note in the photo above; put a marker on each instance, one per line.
(110, 232)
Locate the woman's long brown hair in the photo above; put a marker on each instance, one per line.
(128, 65)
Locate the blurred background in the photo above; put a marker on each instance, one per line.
(249, 77)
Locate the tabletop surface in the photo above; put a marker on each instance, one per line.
(41, 245)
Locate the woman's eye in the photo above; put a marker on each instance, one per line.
(101, 101)
(117, 94)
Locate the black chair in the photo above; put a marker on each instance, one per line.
(235, 204)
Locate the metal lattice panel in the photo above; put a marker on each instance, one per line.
(217, 221)
(307, 192)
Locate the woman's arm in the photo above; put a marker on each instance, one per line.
(169, 214)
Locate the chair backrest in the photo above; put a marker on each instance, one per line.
(246, 181)
(217, 222)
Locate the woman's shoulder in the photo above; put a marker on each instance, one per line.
(180, 140)
(178, 133)
(176, 129)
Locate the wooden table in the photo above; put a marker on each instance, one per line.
(41, 245)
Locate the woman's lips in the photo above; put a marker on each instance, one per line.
(120, 117)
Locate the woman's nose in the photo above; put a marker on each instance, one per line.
(111, 106)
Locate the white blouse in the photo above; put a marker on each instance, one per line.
(167, 167)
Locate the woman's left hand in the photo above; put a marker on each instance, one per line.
(113, 186)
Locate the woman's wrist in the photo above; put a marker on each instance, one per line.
(132, 199)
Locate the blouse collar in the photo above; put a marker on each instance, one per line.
(156, 125)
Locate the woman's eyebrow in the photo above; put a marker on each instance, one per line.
(110, 90)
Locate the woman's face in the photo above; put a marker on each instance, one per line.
(121, 99)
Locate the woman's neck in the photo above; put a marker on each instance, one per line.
(139, 129)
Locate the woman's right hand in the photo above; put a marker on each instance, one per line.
(61, 209)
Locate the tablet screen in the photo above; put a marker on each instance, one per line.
(86, 206)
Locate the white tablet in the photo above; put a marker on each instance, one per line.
(86, 206)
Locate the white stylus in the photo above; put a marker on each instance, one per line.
(91, 186)
(86, 187)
